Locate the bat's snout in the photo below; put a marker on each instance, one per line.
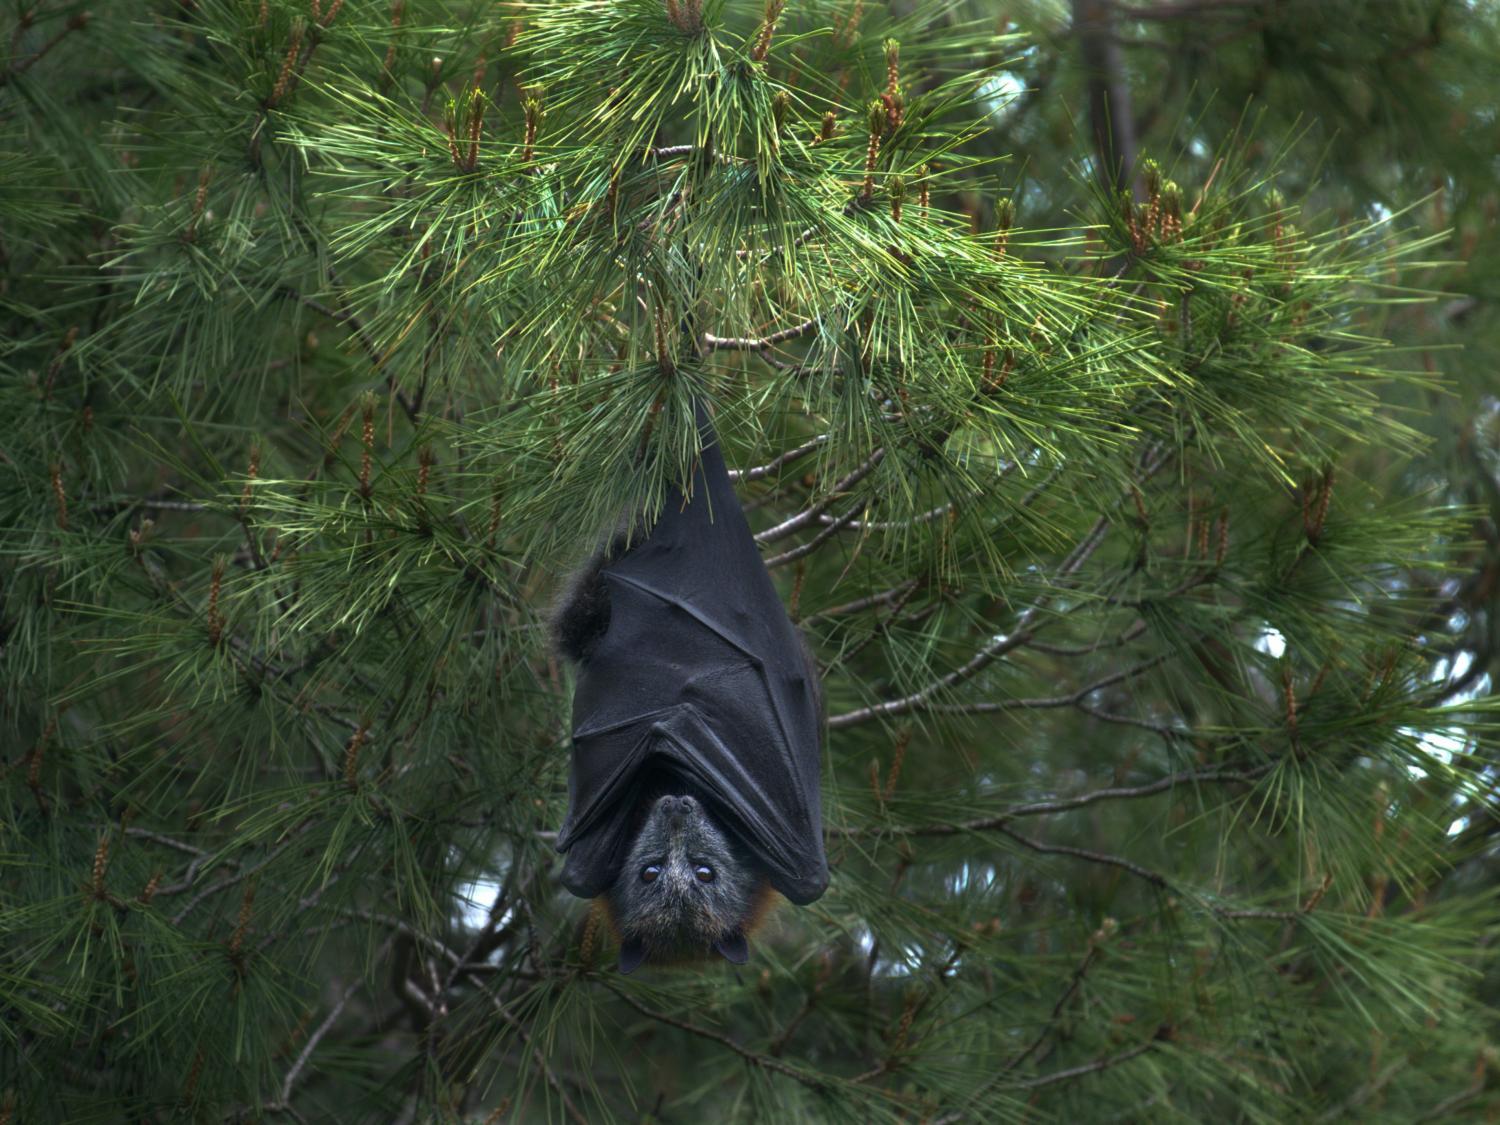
(676, 809)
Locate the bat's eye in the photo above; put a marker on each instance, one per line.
(704, 873)
(649, 873)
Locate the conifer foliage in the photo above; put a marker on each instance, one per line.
(334, 332)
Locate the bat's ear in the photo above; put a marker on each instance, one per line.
(733, 948)
(632, 953)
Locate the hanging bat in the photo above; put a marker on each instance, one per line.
(697, 720)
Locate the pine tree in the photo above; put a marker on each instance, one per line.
(336, 332)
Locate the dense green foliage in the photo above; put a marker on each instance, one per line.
(1150, 581)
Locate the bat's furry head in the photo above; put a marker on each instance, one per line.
(685, 889)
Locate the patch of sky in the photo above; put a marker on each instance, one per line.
(474, 899)
(1271, 642)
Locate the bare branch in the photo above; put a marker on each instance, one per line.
(758, 343)
(289, 1083)
(1044, 703)
(893, 525)
(833, 528)
(778, 462)
(987, 655)
(872, 601)
(810, 516)
(765, 1062)
(1087, 1068)
(1063, 804)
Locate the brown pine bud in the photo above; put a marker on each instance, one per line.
(59, 495)
(288, 61)
(101, 865)
(398, 12)
(367, 446)
(214, 618)
(767, 29)
(351, 754)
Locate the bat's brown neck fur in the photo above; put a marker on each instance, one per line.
(764, 904)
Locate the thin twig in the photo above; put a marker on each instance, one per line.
(20, 66)
(1130, 634)
(1063, 804)
(1050, 1079)
(781, 461)
(989, 653)
(356, 327)
(541, 1060)
(164, 841)
(1086, 1068)
(871, 601)
(833, 528)
(809, 516)
(295, 1071)
(1050, 702)
(758, 343)
(1155, 878)
(1026, 623)
(1164, 730)
(238, 877)
(1445, 1107)
(1062, 1002)
(766, 1062)
(893, 525)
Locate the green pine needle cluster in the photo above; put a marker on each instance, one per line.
(335, 333)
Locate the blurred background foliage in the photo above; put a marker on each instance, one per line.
(1111, 385)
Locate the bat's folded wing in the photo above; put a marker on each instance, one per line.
(759, 806)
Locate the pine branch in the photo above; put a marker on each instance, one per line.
(764, 1062)
(294, 1072)
(1021, 634)
(1094, 1067)
(780, 461)
(890, 525)
(989, 653)
(809, 516)
(377, 359)
(1146, 874)
(801, 552)
(1131, 633)
(1064, 804)
(549, 1075)
(759, 343)
(21, 64)
(870, 601)
(1044, 703)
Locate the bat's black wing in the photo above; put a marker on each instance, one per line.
(700, 679)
